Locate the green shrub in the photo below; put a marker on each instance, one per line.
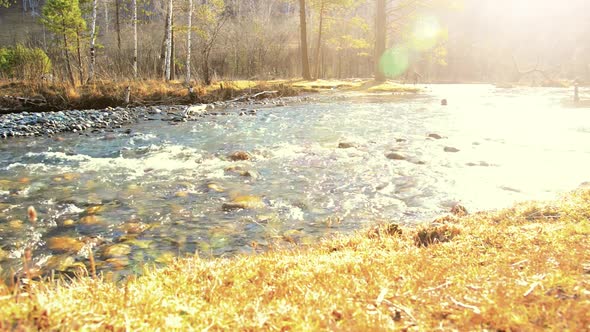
(24, 63)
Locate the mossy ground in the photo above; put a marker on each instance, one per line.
(526, 268)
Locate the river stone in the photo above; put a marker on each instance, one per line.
(239, 156)
(450, 149)
(244, 202)
(115, 250)
(64, 244)
(118, 263)
(242, 171)
(435, 136)
(459, 210)
(15, 224)
(94, 209)
(345, 145)
(90, 220)
(215, 187)
(134, 227)
(59, 263)
(395, 156)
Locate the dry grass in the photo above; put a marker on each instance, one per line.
(521, 269)
(101, 94)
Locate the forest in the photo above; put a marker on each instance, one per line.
(419, 40)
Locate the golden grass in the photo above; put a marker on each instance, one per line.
(101, 94)
(356, 85)
(522, 269)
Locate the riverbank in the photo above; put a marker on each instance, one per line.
(49, 109)
(523, 268)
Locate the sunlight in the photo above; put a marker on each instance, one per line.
(426, 32)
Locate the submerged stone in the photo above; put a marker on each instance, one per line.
(345, 145)
(451, 149)
(64, 244)
(244, 202)
(116, 250)
(395, 156)
(239, 156)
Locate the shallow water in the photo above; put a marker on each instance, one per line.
(159, 192)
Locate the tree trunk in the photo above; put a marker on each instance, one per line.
(380, 37)
(319, 45)
(303, 35)
(168, 42)
(134, 4)
(118, 23)
(68, 63)
(206, 76)
(187, 78)
(106, 17)
(79, 50)
(172, 54)
(92, 42)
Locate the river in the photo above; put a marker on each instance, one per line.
(336, 164)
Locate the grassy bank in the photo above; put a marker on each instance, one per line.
(35, 96)
(525, 268)
(102, 94)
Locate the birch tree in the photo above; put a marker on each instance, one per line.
(168, 43)
(134, 4)
(92, 42)
(188, 42)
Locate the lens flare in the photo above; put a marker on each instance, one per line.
(394, 61)
(426, 33)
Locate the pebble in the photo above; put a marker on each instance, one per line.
(25, 124)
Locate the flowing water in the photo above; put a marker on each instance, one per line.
(166, 190)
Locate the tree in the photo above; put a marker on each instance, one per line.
(211, 16)
(134, 4)
(303, 35)
(168, 43)
(323, 7)
(380, 37)
(188, 42)
(64, 18)
(92, 41)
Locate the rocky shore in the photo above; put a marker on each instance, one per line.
(50, 123)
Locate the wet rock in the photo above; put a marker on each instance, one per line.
(345, 145)
(134, 227)
(15, 224)
(115, 250)
(435, 136)
(244, 202)
(459, 210)
(240, 170)
(181, 194)
(215, 187)
(94, 209)
(90, 220)
(64, 244)
(395, 156)
(239, 156)
(451, 149)
(118, 263)
(68, 223)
